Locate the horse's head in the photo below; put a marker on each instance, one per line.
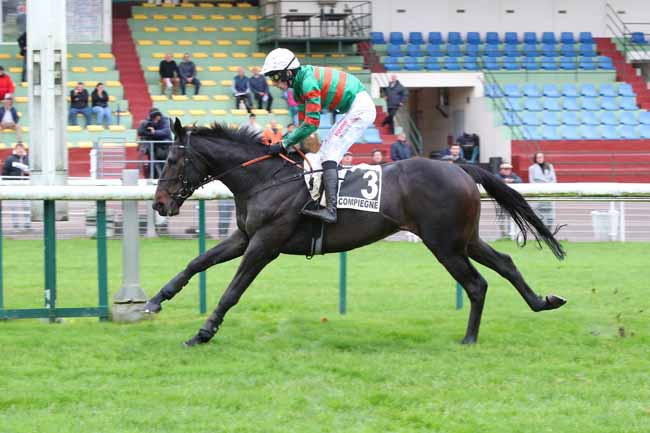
(180, 176)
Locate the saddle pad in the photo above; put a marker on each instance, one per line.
(359, 185)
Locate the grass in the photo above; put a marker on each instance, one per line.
(392, 364)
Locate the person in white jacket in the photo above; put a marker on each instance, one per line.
(543, 172)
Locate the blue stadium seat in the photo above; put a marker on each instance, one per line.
(588, 90)
(491, 64)
(548, 38)
(571, 118)
(638, 38)
(644, 131)
(567, 38)
(589, 118)
(511, 50)
(492, 38)
(492, 51)
(569, 90)
(530, 119)
(568, 50)
(571, 132)
(531, 133)
(470, 64)
(628, 131)
(392, 66)
(570, 104)
(625, 89)
(511, 38)
(435, 50)
(416, 38)
(432, 65)
(512, 91)
(454, 51)
(511, 119)
(532, 104)
(512, 104)
(644, 117)
(586, 38)
(454, 38)
(530, 38)
(587, 50)
(396, 38)
(395, 50)
(549, 50)
(511, 63)
(552, 104)
(628, 103)
(605, 63)
(590, 132)
(609, 119)
(435, 38)
(551, 91)
(377, 38)
(587, 64)
(607, 90)
(530, 50)
(551, 118)
(532, 90)
(590, 104)
(609, 132)
(473, 38)
(451, 64)
(548, 63)
(530, 64)
(414, 50)
(412, 64)
(371, 135)
(628, 118)
(568, 63)
(609, 104)
(550, 133)
(493, 91)
(472, 50)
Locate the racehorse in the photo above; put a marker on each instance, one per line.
(435, 200)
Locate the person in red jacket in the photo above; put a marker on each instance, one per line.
(7, 86)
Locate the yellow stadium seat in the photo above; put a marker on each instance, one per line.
(113, 83)
(233, 68)
(248, 29)
(151, 29)
(215, 68)
(152, 68)
(280, 111)
(209, 29)
(23, 84)
(180, 98)
(200, 55)
(100, 69)
(170, 29)
(25, 128)
(73, 69)
(253, 17)
(219, 55)
(221, 97)
(184, 42)
(217, 17)
(140, 17)
(186, 5)
(176, 112)
(21, 99)
(165, 42)
(190, 29)
(95, 128)
(204, 42)
(198, 17)
(200, 97)
(239, 55)
(226, 83)
(197, 112)
(179, 17)
(237, 112)
(318, 56)
(158, 55)
(224, 42)
(300, 55)
(168, 5)
(159, 17)
(218, 112)
(259, 55)
(84, 144)
(355, 68)
(228, 29)
(338, 68)
(68, 56)
(117, 128)
(235, 17)
(208, 83)
(206, 5)
(243, 42)
(158, 98)
(200, 69)
(85, 56)
(105, 55)
(244, 5)
(177, 55)
(148, 5)
(112, 98)
(338, 55)
(259, 112)
(144, 42)
(224, 5)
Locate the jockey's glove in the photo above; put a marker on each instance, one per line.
(276, 148)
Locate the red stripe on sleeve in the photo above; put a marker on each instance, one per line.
(311, 94)
(317, 73)
(312, 121)
(338, 95)
(326, 83)
(301, 116)
(312, 108)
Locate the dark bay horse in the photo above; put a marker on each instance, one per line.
(437, 201)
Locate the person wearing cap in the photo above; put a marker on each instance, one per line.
(506, 174)
(316, 88)
(346, 162)
(79, 104)
(7, 86)
(9, 118)
(156, 133)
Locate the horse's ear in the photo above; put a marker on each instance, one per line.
(178, 128)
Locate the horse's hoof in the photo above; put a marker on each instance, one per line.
(152, 308)
(202, 337)
(555, 301)
(468, 340)
(194, 341)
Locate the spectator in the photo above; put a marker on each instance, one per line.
(7, 86)
(401, 149)
(22, 45)
(168, 71)
(252, 124)
(346, 162)
(157, 135)
(396, 96)
(291, 127)
(543, 172)
(99, 99)
(9, 118)
(187, 73)
(17, 165)
(506, 174)
(273, 134)
(455, 155)
(377, 157)
(291, 104)
(79, 104)
(260, 89)
(241, 90)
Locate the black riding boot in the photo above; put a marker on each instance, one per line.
(331, 182)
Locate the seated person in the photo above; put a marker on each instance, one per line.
(187, 73)
(377, 157)
(252, 124)
(168, 71)
(156, 132)
(273, 134)
(260, 89)
(506, 174)
(454, 156)
(9, 118)
(7, 86)
(241, 90)
(79, 104)
(102, 111)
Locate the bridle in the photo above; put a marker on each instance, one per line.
(187, 187)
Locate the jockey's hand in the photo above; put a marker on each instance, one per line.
(275, 148)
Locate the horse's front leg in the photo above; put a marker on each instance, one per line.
(260, 252)
(231, 248)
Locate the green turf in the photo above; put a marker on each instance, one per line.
(392, 364)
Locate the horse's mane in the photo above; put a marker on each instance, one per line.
(216, 130)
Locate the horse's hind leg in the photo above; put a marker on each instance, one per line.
(233, 247)
(503, 264)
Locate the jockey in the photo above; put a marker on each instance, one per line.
(316, 88)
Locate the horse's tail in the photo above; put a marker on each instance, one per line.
(518, 208)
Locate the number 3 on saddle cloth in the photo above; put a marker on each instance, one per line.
(359, 189)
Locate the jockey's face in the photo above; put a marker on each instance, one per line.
(282, 85)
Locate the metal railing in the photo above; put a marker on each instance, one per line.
(621, 31)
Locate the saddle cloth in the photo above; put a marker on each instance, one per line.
(359, 185)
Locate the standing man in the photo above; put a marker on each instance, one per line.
(401, 149)
(17, 166)
(168, 71)
(396, 96)
(260, 89)
(187, 73)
